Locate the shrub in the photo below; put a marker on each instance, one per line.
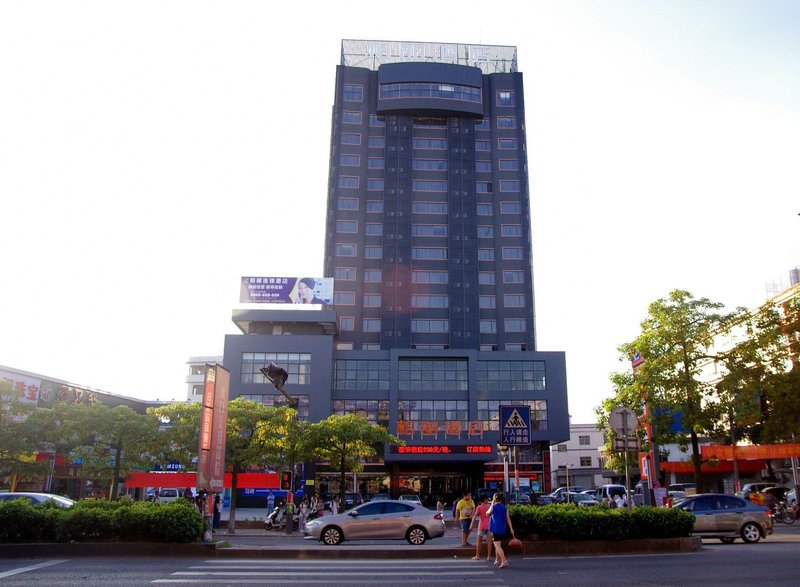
(571, 522)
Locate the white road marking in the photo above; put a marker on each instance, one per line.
(31, 568)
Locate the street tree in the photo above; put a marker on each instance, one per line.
(15, 449)
(676, 343)
(345, 441)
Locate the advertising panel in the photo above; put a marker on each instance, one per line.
(213, 429)
(44, 393)
(286, 290)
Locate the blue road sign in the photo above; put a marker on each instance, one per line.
(515, 425)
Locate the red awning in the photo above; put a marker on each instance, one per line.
(741, 453)
(189, 479)
(718, 467)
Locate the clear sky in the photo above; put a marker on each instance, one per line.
(153, 152)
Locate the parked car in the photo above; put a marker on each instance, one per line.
(609, 491)
(380, 496)
(411, 498)
(749, 488)
(558, 495)
(580, 499)
(385, 519)
(686, 488)
(35, 498)
(727, 517)
(167, 495)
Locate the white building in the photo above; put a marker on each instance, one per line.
(579, 458)
(196, 376)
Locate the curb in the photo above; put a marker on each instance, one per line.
(318, 551)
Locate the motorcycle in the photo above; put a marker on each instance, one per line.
(275, 520)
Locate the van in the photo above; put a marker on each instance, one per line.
(167, 495)
(609, 491)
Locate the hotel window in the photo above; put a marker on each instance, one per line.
(513, 253)
(486, 209)
(348, 226)
(376, 411)
(514, 301)
(513, 277)
(297, 365)
(483, 187)
(429, 230)
(488, 326)
(506, 143)
(486, 277)
(420, 326)
(344, 298)
(429, 165)
(375, 120)
(429, 207)
(482, 124)
(376, 142)
(353, 93)
(372, 300)
(429, 301)
(515, 325)
(437, 144)
(429, 277)
(419, 185)
(344, 346)
(350, 138)
(511, 230)
(372, 275)
(430, 121)
(347, 160)
(586, 461)
(374, 229)
(511, 376)
(370, 346)
(346, 250)
(374, 184)
(509, 165)
(485, 254)
(346, 323)
(350, 117)
(510, 208)
(428, 253)
(489, 413)
(373, 252)
(509, 185)
(347, 204)
(433, 375)
(348, 181)
(506, 98)
(374, 206)
(345, 273)
(506, 122)
(361, 375)
(485, 231)
(487, 302)
(483, 166)
(482, 145)
(371, 325)
(514, 346)
(376, 163)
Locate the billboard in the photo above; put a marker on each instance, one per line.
(213, 429)
(286, 290)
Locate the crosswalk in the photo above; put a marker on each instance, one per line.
(408, 573)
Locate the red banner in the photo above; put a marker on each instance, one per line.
(213, 429)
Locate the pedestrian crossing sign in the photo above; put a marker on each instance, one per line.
(515, 425)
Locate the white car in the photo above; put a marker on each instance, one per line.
(35, 498)
(168, 495)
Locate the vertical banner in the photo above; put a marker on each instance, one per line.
(213, 429)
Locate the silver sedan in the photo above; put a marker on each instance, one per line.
(379, 520)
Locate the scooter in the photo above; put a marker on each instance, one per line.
(275, 520)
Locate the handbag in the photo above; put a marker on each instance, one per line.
(515, 543)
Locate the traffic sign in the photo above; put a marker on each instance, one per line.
(515, 425)
(622, 420)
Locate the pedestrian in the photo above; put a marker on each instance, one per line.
(440, 505)
(464, 510)
(302, 515)
(320, 508)
(500, 527)
(187, 493)
(618, 501)
(482, 517)
(217, 512)
(335, 505)
(270, 502)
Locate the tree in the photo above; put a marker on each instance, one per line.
(345, 441)
(676, 343)
(15, 449)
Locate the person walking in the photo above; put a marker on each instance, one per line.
(463, 518)
(482, 516)
(500, 527)
(335, 505)
(217, 512)
(302, 515)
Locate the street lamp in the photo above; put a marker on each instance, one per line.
(566, 470)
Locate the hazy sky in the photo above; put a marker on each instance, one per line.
(151, 153)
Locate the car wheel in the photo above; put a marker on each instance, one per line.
(751, 532)
(416, 535)
(727, 540)
(332, 536)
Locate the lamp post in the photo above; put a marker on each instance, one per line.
(278, 377)
(566, 470)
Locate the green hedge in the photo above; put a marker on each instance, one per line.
(572, 522)
(99, 520)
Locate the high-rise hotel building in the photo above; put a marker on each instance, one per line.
(432, 325)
